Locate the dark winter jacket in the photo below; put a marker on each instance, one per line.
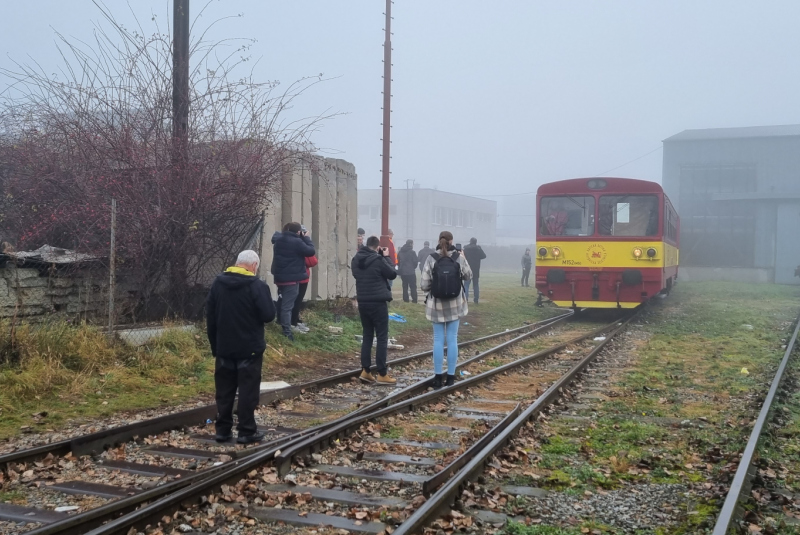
(407, 260)
(527, 261)
(372, 272)
(423, 255)
(474, 254)
(289, 256)
(237, 308)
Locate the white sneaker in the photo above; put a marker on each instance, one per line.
(303, 327)
(297, 329)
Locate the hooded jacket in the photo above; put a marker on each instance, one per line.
(372, 272)
(407, 260)
(527, 261)
(423, 255)
(289, 253)
(474, 254)
(238, 306)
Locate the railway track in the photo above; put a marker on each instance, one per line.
(739, 491)
(117, 469)
(370, 469)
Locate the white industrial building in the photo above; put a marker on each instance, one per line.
(421, 213)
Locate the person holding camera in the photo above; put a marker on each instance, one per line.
(373, 272)
(290, 249)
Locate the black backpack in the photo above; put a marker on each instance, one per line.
(446, 276)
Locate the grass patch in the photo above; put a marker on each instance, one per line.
(558, 445)
(518, 528)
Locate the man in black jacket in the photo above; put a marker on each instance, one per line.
(290, 249)
(407, 267)
(238, 306)
(423, 254)
(372, 271)
(474, 254)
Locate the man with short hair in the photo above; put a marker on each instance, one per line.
(407, 261)
(238, 306)
(360, 242)
(373, 272)
(290, 249)
(423, 254)
(474, 254)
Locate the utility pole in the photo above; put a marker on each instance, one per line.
(387, 110)
(180, 82)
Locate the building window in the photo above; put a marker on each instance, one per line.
(374, 213)
(438, 216)
(363, 209)
(468, 219)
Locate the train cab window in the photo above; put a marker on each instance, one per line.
(567, 216)
(628, 215)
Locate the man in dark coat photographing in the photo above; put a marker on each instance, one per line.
(290, 249)
(238, 306)
(373, 271)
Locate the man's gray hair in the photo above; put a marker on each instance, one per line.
(248, 257)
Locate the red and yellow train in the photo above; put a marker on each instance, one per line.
(605, 242)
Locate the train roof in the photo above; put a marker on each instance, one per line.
(612, 184)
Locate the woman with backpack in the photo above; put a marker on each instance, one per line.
(445, 303)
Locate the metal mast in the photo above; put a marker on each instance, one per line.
(387, 110)
(180, 80)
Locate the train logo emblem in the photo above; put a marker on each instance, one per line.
(596, 254)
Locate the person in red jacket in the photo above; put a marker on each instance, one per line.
(297, 325)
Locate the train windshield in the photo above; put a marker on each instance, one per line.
(628, 215)
(567, 216)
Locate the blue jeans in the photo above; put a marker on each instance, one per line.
(477, 288)
(448, 330)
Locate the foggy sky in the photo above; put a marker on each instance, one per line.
(495, 97)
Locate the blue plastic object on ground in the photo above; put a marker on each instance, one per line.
(397, 317)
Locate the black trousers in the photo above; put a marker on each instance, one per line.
(375, 323)
(525, 274)
(244, 374)
(298, 303)
(409, 284)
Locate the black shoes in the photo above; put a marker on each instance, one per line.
(437, 381)
(451, 380)
(250, 439)
(223, 438)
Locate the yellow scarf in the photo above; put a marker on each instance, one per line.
(239, 270)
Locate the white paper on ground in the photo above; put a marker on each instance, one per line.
(273, 385)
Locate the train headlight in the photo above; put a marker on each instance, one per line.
(542, 251)
(637, 252)
(651, 253)
(556, 252)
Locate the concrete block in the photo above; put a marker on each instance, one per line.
(3, 287)
(62, 282)
(32, 296)
(13, 274)
(58, 291)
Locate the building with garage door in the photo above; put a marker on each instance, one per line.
(737, 191)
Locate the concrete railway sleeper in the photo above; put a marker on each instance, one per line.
(144, 470)
(478, 406)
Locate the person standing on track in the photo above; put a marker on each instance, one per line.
(474, 254)
(527, 264)
(407, 263)
(373, 272)
(238, 306)
(445, 303)
(290, 249)
(423, 255)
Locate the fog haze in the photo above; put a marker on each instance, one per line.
(494, 97)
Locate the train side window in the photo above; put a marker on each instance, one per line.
(628, 215)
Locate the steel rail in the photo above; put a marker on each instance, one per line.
(99, 441)
(440, 502)
(171, 502)
(78, 524)
(743, 479)
(323, 439)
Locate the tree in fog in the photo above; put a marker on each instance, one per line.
(101, 128)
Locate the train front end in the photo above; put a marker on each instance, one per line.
(605, 242)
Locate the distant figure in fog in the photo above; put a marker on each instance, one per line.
(238, 306)
(445, 303)
(474, 254)
(527, 264)
(360, 242)
(407, 261)
(424, 253)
